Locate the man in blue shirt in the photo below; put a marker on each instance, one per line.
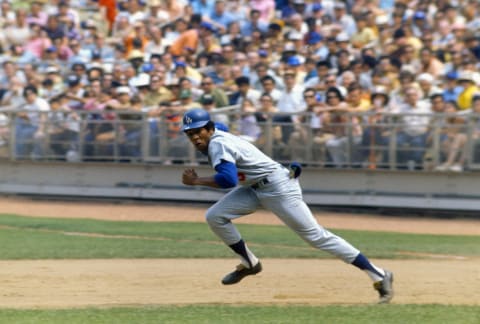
(452, 90)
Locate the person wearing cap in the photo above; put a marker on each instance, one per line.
(316, 46)
(141, 85)
(50, 57)
(186, 100)
(469, 88)
(451, 89)
(184, 70)
(254, 180)
(295, 64)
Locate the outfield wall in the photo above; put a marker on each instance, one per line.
(322, 187)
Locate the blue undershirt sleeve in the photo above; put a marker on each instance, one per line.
(226, 176)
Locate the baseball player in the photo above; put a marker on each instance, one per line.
(263, 182)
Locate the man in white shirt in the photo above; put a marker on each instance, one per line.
(290, 102)
(414, 117)
(30, 125)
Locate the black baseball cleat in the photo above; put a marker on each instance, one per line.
(385, 288)
(240, 273)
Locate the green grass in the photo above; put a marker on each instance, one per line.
(50, 238)
(211, 314)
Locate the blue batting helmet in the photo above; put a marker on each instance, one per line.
(195, 118)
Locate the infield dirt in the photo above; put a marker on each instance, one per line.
(442, 279)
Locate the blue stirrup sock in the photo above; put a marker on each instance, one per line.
(375, 273)
(248, 258)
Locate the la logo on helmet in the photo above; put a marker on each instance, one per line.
(187, 120)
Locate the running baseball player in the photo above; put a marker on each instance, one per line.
(263, 182)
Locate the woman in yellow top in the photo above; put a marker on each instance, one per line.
(464, 100)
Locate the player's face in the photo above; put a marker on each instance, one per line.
(200, 137)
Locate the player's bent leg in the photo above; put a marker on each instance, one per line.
(239, 202)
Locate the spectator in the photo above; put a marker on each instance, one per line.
(336, 122)
(306, 146)
(203, 7)
(220, 17)
(430, 64)
(13, 96)
(269, 87)
(426, 83)
(244, 92)
(208, 103)
(344, 19)
(364, 35)
(30, 125)
(254, 23)
(454, 145)
(467, 82)
(414, 117)
(290, 102)
(376, 129)
(63, 128)
(38, 41)
(219, 96)
(18, 32)
(265, 114)
(451, 90)
(247, 125)
(36, 15)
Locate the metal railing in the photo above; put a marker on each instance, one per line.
(356, 140)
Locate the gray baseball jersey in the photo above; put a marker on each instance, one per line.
(265, 183)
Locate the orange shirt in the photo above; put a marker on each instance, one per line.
(111, 11)
(128, 42)
(188, 38)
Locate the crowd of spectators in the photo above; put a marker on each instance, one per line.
(351, 69)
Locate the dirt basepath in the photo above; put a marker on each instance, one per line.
(80, 283)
